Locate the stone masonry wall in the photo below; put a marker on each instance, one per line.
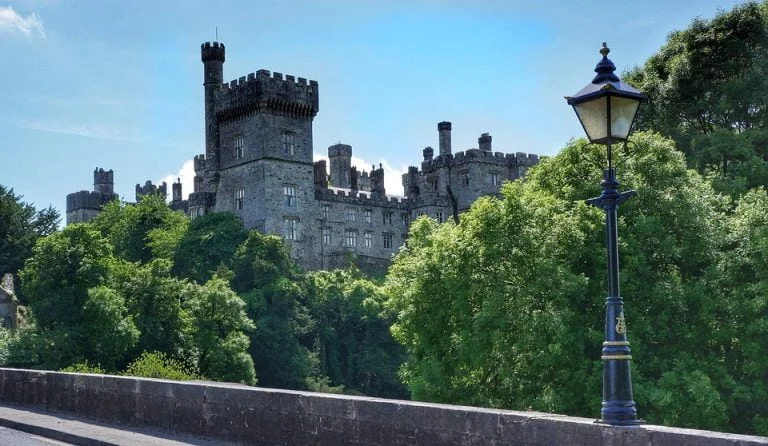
(259, 416)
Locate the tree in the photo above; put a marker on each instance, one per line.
(21, 225)
(155, 302)
(274, 291)
(132, 230)
(209, 242)
(708, 90)
(76, 319)
(351, 335)
(506, 309)
(220, 322)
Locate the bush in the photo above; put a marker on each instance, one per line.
(159, 365)
(84, 367)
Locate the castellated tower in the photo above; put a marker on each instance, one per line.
(258, 158)
(84, 206)
(340, 156)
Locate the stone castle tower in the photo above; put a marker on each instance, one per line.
(84, 205)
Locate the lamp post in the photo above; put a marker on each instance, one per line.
(606, 108)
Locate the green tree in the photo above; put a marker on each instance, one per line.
(220, 323)
(155, 302)
(274, 291)
(210, 242)
(107, 327)
(351, 334)
(708, 90)
(76, 319)
(21, 225)
(133, 230)
(506, 309)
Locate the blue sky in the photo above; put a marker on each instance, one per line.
(118, 84)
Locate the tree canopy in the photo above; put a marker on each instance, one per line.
(708, 90)
(506, 309)
(21, 225)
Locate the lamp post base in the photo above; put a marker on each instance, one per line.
(619, 413)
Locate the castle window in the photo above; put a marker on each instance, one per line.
(350, 214)
(326, 211)
(239, 198)
(386, 218)
(289, 143)
(368, 240)
(238, 152)
(368, 214)
(433, 183)
(326, 236)
(291, 228)
(494, 179)
(387, 237)
(289, 191)
(464, 178)
(404, 219)
(439, 216)
(350, 238)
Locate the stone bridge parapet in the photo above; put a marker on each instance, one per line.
(260, 416)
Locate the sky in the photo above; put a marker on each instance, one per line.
(118, 84)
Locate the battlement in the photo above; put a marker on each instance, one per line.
(265, 92)
(339, 150)
(87, 200)
(149, 188)
(212, 51)
(101, 176)
(199, 161)
(361, 198)
(477, 155)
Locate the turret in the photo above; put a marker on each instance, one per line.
(176, 188)
(484, 142)
(104, 181)
(411, 182)
(444, 129)
(428, 152)
(377, 181)
(340, 156)
(320, 174)
(212, 55)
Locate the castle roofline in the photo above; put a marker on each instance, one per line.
(349, 192)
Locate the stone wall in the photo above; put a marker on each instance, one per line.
(257, 416)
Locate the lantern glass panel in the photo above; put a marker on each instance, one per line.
(594, 117)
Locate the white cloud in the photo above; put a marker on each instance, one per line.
(29, 26)
(186, 174)
(393, 178)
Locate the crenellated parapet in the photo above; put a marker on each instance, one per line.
(267, 92)
(518, 159)
(212, 51)
(199, 161)
(84, 199)
(151, 189)
(361, 198)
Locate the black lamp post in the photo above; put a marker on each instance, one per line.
(606, 109)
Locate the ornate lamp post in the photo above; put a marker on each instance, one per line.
(606, 108)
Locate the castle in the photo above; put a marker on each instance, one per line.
(258, 164)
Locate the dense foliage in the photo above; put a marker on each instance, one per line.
(506, 309)
(708, 90)
(21, 225)
(145, 290)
